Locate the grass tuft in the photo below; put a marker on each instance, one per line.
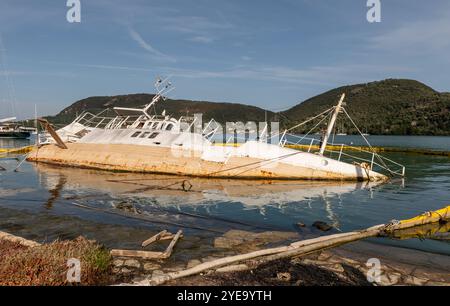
(46, 265)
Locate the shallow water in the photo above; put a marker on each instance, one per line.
(121, 210)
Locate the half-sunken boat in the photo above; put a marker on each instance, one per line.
(137, 141)
(9, 129)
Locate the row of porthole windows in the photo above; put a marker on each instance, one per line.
(144, 135)
(168, 126)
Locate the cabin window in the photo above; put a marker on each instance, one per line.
(169, 127)
(145, 134)
(136, 134)
(153, 135)
(82, 133)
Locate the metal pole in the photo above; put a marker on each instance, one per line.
(340, 153)
(282, 137)
(310, 145)
(371, 163)
(331, 125)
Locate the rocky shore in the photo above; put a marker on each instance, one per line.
(327, 268)
(345, 265)
(342, 266)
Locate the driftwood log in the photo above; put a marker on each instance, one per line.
(151, 254)
(20, 240)
(164, 235)
(169, 249)
(139, 254)
(307, 246)
(154, 238)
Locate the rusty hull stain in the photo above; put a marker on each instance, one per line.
(129, 159)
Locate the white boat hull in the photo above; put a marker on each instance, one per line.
(253, 160)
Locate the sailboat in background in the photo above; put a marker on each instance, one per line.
(9, 128)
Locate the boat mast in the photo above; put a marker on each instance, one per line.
(163, 87)
(331, 125)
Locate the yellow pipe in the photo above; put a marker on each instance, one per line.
(426, 218)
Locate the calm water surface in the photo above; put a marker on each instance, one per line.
(121, 210)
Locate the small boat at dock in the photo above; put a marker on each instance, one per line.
(10, 129)
(138, 141)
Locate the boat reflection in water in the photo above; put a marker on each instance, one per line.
(194, 194)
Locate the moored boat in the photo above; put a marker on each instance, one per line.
(9, 129)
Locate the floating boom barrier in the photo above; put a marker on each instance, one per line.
(27, 149)
(21, 150)
(358, 149)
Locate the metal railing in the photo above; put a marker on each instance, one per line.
(120, 122)
(94, 121)
(339, 151)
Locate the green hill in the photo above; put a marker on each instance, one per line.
(222, 112)
(389, 107)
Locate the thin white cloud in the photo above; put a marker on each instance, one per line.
(317, 75)
(37, 73)
(145, 45)
(113, 67)
(193, 24)
(202, 39)
(100, 66)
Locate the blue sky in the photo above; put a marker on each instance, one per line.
(272, 54)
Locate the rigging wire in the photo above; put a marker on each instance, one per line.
(309, 120)
(365, 139)
(9, 83)
(276, 159)
(314, 127)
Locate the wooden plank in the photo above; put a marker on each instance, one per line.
(140, 254)
(169, 236)
(47, 126)
(154, 238)
(169, 249)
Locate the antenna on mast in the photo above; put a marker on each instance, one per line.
(9, 82)
(163, 87)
